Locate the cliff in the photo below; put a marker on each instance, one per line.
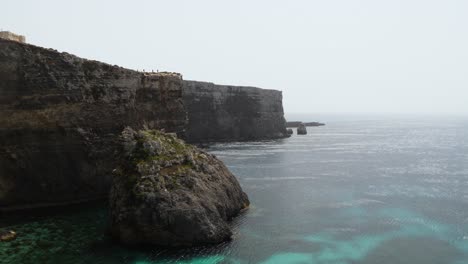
(60, 117)
(232, 113)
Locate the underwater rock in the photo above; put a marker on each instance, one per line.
(301, 130)
(7, 235)
(169, 193)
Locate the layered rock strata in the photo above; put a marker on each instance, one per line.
(60, 116)
(232, 113)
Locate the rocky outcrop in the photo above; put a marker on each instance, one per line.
(7, 235)
(60, 116)
(301, 129)
(290, 131)
(168, 193)
(232, 113)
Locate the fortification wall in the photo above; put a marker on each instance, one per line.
(12, 36)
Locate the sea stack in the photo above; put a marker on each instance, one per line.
(168, 193)
(301, 129)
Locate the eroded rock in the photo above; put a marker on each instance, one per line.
(7, 235)
(232, 113)
(301, 129)
(61, 117)
(168, 193)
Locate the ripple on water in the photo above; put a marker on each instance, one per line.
(375, 191)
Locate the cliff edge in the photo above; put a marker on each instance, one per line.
(61, 115)
(232, 113)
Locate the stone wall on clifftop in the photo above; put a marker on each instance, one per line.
(59, 119)
(232, 113)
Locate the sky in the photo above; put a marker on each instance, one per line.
(327, 56)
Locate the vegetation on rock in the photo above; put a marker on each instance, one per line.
(169, 193)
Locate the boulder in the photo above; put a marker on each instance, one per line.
(7, 235)
(301, 129)
(168, 193)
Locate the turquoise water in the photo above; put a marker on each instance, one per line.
(373, 190)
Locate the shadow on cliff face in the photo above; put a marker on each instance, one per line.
(54, 164)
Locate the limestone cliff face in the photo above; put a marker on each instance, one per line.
(59, 117)
(232, 113)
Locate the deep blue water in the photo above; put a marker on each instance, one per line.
(358, 190)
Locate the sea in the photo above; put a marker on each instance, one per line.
(361, 189)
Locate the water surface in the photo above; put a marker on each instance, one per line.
(374, 190)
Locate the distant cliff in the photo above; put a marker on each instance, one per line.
(298, 123)
(229, 113)
(60, 116)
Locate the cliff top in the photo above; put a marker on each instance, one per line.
(12, 36)
(165, 74)
(149, 74)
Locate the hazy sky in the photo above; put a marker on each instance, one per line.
(326, 56)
